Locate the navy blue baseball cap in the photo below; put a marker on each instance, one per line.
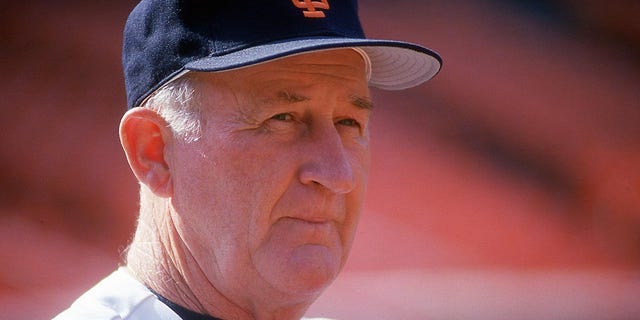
(164, 39)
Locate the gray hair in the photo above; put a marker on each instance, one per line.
(177, 103)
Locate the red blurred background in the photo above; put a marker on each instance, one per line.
(506, 188)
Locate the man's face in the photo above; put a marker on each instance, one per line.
(268, 199)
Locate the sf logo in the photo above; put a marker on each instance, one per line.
(311, 7)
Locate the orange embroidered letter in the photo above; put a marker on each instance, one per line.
(311, 7)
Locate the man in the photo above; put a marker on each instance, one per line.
(248, 131)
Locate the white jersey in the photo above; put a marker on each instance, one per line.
(119, 297)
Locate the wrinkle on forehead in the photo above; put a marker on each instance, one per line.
(289, 97)
(343, 65)
(339, 63)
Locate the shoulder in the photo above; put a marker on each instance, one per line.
(118, 297)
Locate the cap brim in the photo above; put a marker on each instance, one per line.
(395, 65)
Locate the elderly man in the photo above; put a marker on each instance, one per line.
(248, 129)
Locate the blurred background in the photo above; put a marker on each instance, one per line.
(506, 188)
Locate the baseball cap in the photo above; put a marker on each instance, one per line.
(164, 39)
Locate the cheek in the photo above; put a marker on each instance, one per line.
(354, 201)
(354, 204)
(210, 201)
(232, 188)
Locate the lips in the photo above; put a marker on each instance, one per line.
(308, 231)
(319, 224)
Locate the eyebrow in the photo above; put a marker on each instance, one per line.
(362, 102)
(290, 97)
(358, 101)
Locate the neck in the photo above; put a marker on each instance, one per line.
(153, 260)
(158, 258)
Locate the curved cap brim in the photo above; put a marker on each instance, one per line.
(395, 65)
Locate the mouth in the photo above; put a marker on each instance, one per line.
(315, 223)
(313, 230)
(312, 220)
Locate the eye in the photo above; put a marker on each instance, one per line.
(349, 122)
(283, 117)
(282, 122)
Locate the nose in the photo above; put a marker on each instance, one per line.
(327, 163)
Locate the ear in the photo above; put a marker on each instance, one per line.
(144, 135)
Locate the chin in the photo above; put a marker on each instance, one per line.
(309, 270)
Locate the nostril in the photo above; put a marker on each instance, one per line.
(338, 179)
(327, 162)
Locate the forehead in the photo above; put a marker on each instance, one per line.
(336, 62)
(344, 65)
